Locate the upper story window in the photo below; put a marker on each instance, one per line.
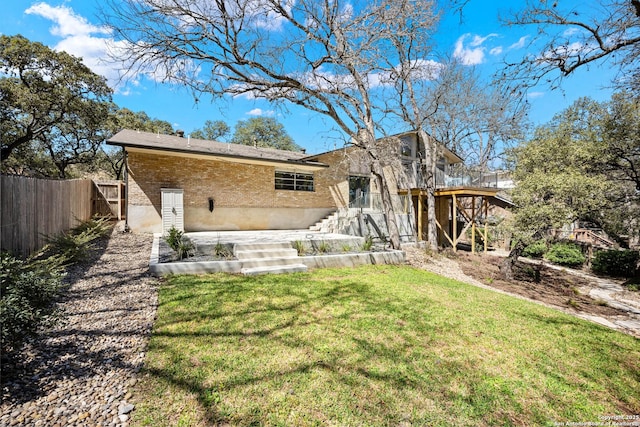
(407, 146)
(294, 181)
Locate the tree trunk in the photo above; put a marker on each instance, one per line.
(387, 204)
(509, 262)
(429, 170)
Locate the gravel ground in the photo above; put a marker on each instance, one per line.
(79, 373)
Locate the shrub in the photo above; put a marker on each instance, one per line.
(567, 254)
(324, 247)
(179, 243)
(535, 250)
(173, 238)
(298, 245)
(96, 226)
(75, 244)
(616, 263)
(29, 289)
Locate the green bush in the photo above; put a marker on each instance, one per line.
(75, 244)
(535, 250)
(29, 289)
(616, 263)
(567, 254)
(179, 243)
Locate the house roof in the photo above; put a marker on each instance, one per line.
(145, 141)
(449, 154)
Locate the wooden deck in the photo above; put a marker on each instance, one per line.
(467, 203)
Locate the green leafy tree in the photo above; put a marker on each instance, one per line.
(212, 131)
(263, 132)
(621, 131)
(49, 102)
(561, 176)
(555, 184)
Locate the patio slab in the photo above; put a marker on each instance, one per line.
(206, 241)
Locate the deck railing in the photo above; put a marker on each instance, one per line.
(471, 178)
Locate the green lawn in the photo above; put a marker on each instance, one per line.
(377, 345)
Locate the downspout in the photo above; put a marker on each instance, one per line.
(126, 191)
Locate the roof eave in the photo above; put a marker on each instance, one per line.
(198, 153)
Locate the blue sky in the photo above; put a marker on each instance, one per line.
(478, 40)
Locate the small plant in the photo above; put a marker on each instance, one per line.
(575, 290)
(298, 245)
(324, 247)
(220, 250)
(179, 243)
(75, 244)
(489, 280)
(368, 243)
(567, 254)
(346, 247)
(173, 238)
(602, 303)
(186, 248)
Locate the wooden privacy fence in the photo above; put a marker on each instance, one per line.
(32, 209)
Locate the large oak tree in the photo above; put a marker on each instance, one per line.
(51, 100)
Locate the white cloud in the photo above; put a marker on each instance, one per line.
(67, 22)
(260, 112)
(466, 55)
(94, 45)
(79, 38)
(496, 51)
(570, 31)
(520, 43)
(478, 40)
(535, 95)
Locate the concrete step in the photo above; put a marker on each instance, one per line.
(266, 253)
(275, 269)
(270, 262)
(257, 246)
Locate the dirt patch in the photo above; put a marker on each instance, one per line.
(536, 282)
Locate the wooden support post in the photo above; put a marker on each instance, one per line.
(473, 224)
(455, 222)
(486, 221)
(420, 209)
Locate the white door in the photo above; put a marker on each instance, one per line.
(172, 209)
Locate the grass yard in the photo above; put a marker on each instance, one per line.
(372, 346)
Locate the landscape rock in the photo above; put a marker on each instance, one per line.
(78, 372)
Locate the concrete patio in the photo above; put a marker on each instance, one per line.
(268, 251)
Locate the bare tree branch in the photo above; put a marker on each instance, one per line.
(575, 37)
